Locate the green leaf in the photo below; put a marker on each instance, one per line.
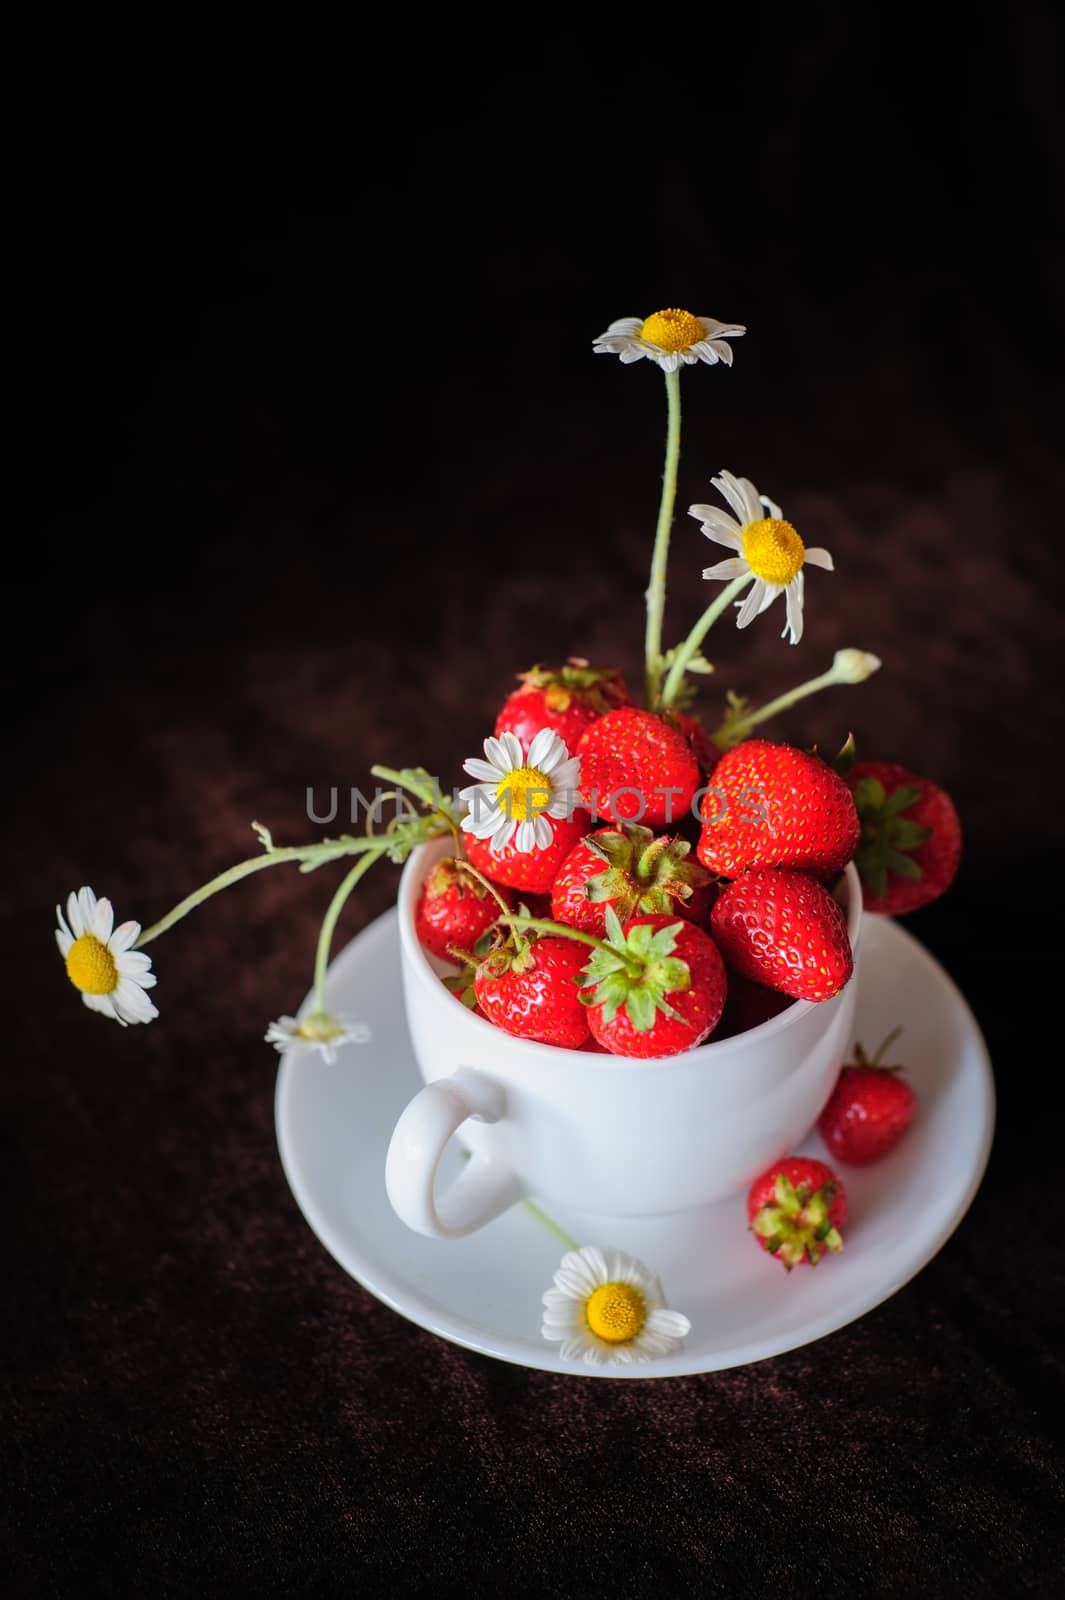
(614, 934)
(905, 866)
(641, 1009)
(844, 761)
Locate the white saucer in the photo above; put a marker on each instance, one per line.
(334, 1124)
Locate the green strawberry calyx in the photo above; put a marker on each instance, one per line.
(796, 1224)
(887, 836)
(599, 688)
(635, 971)
(877, 1063)
(644, 874)
(452, 873)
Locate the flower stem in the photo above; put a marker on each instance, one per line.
(224, 880)
(468, 867)
(552, 1227)
(848, 666)
(656, 589)
(698, 634)
(329, 922)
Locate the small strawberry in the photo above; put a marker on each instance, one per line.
(784, 929)
(528, 986)
(774, 806)
(532, 870)
(797, 1209)
(628, 868)
(454, 909)
(869, 1110)
(567, 700)
(911, 837)
(657, 986)
(636, 768)
(703, 747)
(748, 1006)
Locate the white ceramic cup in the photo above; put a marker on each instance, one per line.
(598, 1134)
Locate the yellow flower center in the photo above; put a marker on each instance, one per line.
(616, 1312)
(773, 550)
(673, 329)
(318, 1029)
(524, 793)
(91, 966)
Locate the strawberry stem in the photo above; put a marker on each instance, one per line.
(885, 1047)
(462, 865)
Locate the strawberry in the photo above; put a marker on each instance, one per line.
(628, 868)
(911, 837)
(869, 1109)
(534, 870)
(748, 1006)
(784, 930)
(453, 909)
(567, 700)
(774, 806)
(657, 987)
(636, 768)
(528, 986)
(702, 746)
(797, 1209)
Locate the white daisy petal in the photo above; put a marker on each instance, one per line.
(771, 592)
(103, 920)
(567, 775)
(770, 507)
(712, 329)
(131, 962)
(671, 1323)
(496, 755)
(728, 487)
(719, 526)
(502, 836)
(543, 747)
(318, 1032)
(77, 926)
(103, 1004)
(632, 353)
(545, 833)
(571, 1349)
(734, 567)
(751, 604)
(87, 907)
(720, 351)
(482, 770)
(794, 604)
(515, 754)
(525, 839)
(64, 940)
(819, 557)
(124, 937)
(752, 503)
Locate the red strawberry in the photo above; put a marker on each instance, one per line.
(703, 747)
(869, 1110)
(454, 909)
(534, 870)
(911, 837)
(636, 768)
(748, 1006)
(630, 869)
(785, 930)
(529, 987)
(774, 806)
(567, 700)
(658, 989)
(797, 1209)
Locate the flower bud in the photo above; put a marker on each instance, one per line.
(854, 666)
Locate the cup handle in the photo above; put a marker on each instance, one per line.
(484, 1188)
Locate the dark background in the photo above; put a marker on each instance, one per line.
(316, 456)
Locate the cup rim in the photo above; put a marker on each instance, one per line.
(410, 883)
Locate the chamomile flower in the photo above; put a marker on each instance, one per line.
(769, 548)
(606, 1307)
(673, 338)
(318, 1031)
(101, 961)
(520, 790)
